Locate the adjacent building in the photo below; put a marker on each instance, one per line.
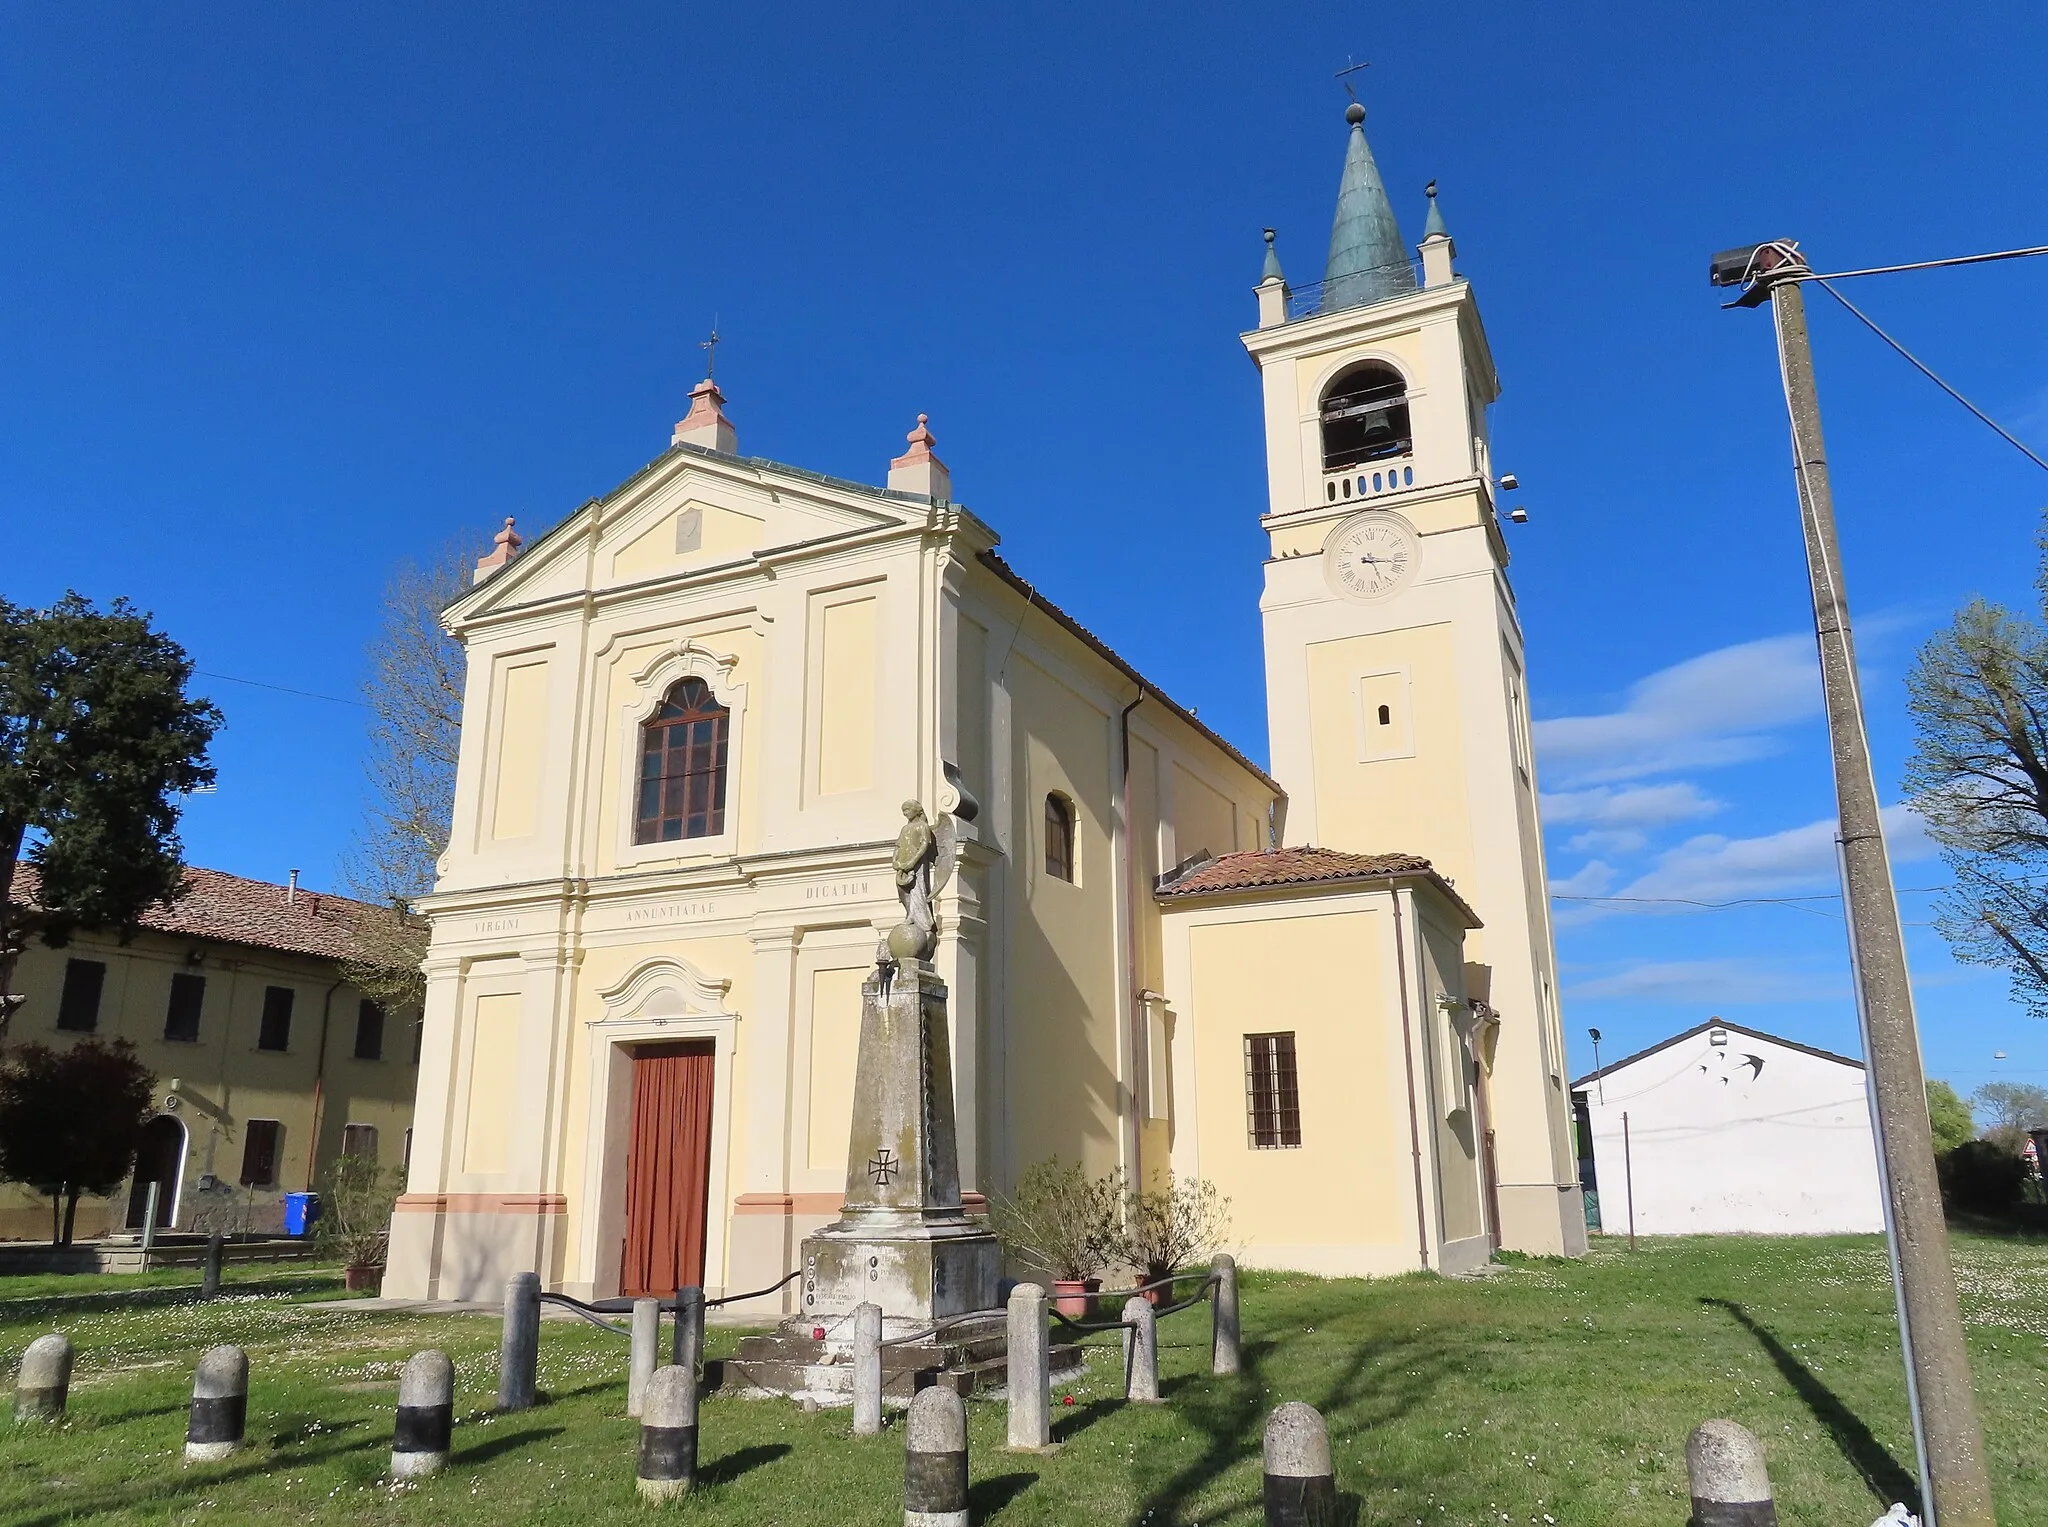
(696, 705)
(268, 1063)
(1727, 1130)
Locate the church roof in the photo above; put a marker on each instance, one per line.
(256, 914)
(1368, 259)
(1262, 869)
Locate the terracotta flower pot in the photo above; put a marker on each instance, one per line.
(1071, 1296)
(361, 1275)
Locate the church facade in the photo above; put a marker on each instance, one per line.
(696, 706)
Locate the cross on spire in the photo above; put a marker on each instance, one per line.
(1351, 68)
(710, 349)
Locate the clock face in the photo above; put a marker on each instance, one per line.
(1371, 556)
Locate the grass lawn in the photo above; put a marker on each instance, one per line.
(1549, 1392)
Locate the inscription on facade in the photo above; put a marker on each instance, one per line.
(671, 912)
(848, 890)
(495, 925)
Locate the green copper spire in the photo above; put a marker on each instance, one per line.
(1368, 260)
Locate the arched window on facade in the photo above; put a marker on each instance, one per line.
(682, 766)
(1059, 837)
(1365, 417)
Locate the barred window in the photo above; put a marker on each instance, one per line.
(259, 1152)
(1272, 1095)
(682, 767)
(1059, 837)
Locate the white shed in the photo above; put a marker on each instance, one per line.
(1722, 1130)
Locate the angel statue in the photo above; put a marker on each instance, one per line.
(923, 863)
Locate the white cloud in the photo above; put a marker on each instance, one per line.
(1631, 806)
(1593, 879)
(1608, 840)
(1710, 984)
(1718, 708)
(1715, 868)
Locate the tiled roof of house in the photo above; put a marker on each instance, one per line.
(254, 913)
(1288, 866)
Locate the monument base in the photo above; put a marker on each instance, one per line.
(918, 1273)
(794, 1362)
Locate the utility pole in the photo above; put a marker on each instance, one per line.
(1954, 1481)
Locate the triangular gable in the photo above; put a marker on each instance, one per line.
(1700, 1028)
(687, 511)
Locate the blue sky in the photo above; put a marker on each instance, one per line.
(293, 293)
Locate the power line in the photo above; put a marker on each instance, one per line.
(1887, 270)
(304, 694)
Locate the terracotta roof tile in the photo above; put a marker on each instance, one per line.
(1289, 866)
(254, 913)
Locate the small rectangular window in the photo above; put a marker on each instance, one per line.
(79, 1009)
(369, 1030)
(1272, 1092)
(276, 1032)
(260, 1139)
(181, 1018)
(359, 1140)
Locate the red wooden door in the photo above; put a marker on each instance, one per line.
(668, 1169)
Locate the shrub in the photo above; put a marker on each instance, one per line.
(1060, 1219)
(356, 1198)
(1167, 1228)
(1982, 1177)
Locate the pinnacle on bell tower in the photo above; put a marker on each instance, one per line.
(1368, 258)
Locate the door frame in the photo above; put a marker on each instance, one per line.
(169, 1209)
(651, 1006)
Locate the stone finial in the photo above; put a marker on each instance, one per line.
(1270, 271)
(505, 546)
(918, 471)
(706, 424)
(1437, 246)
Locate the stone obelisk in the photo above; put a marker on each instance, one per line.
(902, 1240)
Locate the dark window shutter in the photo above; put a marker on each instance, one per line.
(79, 1008)
(259, 1152)
(369, 1030)
(188, 996)
(276, 1032)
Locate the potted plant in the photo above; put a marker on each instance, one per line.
(356, 1196)
(1168, 1227)
(1064, 1221)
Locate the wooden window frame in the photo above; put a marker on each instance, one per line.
(74, 997)
(691, 798)
(353, 1137)
(271, 1133)
(1272, 1092)
(1062, 838)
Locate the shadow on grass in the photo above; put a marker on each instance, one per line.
(121, 1417)
(1883, 1474)
(166, 1489)
(985, 1497)
(1374, 1384)
(503, 1442)
(723, 1471)
(1069, 1421)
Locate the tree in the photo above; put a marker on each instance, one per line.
(2013, 1108)
(70, 1121)
(98, 742)
(1978, 692)
(1953, 1122)
(414, 692)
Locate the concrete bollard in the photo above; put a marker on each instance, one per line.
(1030, 1364)
(519, 1344)
(1141, 1351)
(1725, 1465)
(1300, 1488)
(1223, 1341)
(209, 1277)
(935, 1460)
(646, 1352)
(220, 1405)
(668, 1434)
(687, 1350)
(426, 1416)
(43, 1385)
(867, 1370)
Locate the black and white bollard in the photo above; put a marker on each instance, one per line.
(209, 1278)
(220, 1405)
(646, 1352)
(1141, 1350)
(1300, 1488)
(1030, 1365)
(668, 1434)
(426, 1416)
(44, 1382)
(935, 1460)
(687, 1350)
(1223, 1341)
(1725, 1465)
(867, 1370)
(519, 1344)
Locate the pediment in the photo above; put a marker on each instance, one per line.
(688, 512)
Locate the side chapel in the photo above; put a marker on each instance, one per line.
(696, 706)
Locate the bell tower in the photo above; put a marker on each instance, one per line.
(1395, 696)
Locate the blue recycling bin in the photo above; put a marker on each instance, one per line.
(300, 1210)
